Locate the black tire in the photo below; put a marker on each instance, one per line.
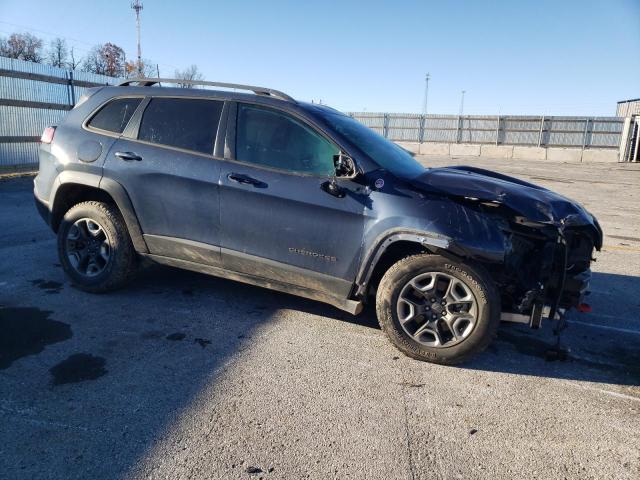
(475, 278)
(122, 263)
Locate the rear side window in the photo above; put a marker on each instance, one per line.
(115, 115)
(181, 122)
(270, 138)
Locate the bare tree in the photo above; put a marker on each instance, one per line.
(73, 63)
(58, 53)
(22, 46)
(146, 69)
(108, 59)
(191, 73)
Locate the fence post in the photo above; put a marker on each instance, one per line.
(584, 137)
(498, 131)
(541, 131)
(71, 89)
(586, 130)
(385, 125)
(423, 119)
(458, 130)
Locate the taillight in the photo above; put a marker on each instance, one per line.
(47, 135)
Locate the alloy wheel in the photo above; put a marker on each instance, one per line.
(87, 247)
(437, 309)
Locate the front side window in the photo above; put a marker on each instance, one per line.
(384, 152)
(181, 122)
(273, 139)
(115, 115)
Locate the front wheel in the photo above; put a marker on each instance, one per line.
(95, 248)
(438, 310)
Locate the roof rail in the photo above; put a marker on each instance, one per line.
(147, 82)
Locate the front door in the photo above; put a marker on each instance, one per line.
(277, 221)
(171, 176)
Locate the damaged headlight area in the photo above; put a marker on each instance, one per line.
(545, 266)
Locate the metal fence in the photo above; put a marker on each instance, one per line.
(581, 132)
(32, 97)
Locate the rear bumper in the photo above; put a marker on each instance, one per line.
(42, 206)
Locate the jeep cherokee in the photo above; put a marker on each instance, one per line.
(297, 197)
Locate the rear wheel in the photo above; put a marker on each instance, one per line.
(94, 247)
(438, 310)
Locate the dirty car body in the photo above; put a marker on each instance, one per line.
(329, 234)
(537, 244)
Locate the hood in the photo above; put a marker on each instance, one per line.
(533, 202)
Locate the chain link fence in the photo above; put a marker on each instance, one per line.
(544, 131)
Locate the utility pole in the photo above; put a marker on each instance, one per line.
(137, 6)
(462, 102)
(426, 93)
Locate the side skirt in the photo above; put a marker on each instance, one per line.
(351, 306)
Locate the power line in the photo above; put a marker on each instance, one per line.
(53, 34)
(71, 40)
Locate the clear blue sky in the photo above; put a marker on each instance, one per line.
(512, 57)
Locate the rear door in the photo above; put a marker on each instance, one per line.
(165, 162)
(277, 221)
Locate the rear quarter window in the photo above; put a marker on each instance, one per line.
(115, 115)
(185, 123)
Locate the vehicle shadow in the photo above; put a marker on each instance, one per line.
(601, 347)
(161, 358)
(594, 347)
(90, 383)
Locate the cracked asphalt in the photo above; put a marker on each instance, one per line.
(182, 376)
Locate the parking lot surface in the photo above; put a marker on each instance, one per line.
(182, 375)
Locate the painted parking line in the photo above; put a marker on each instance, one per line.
(604, 327)
(621, 248)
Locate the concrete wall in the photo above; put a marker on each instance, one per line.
(513, 151)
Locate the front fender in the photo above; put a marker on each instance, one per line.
(431, 242)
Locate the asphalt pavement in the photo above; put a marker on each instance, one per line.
(182, 375)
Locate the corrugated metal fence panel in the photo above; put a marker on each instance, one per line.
(18, 154)
(606, 132)
(404, 127)
(22, 121)
(58, 87)
(519, 130)
(477, 130)
(596, 132)
(628, 108)
(33, 91)
(440, 128)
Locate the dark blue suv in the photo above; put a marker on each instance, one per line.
(260, 188)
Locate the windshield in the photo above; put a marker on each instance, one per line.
(382, 151)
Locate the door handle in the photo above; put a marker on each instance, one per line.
(128, 156)
(246, 180)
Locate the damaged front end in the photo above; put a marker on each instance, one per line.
(546, 269)
(548, 240)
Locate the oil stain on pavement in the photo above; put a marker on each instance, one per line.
(47, 285)
(176, 337)
(78, 368)
(27, 331)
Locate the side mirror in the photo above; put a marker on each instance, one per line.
(344, 165)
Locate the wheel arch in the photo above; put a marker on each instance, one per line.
(75, 187)
(393, 246)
